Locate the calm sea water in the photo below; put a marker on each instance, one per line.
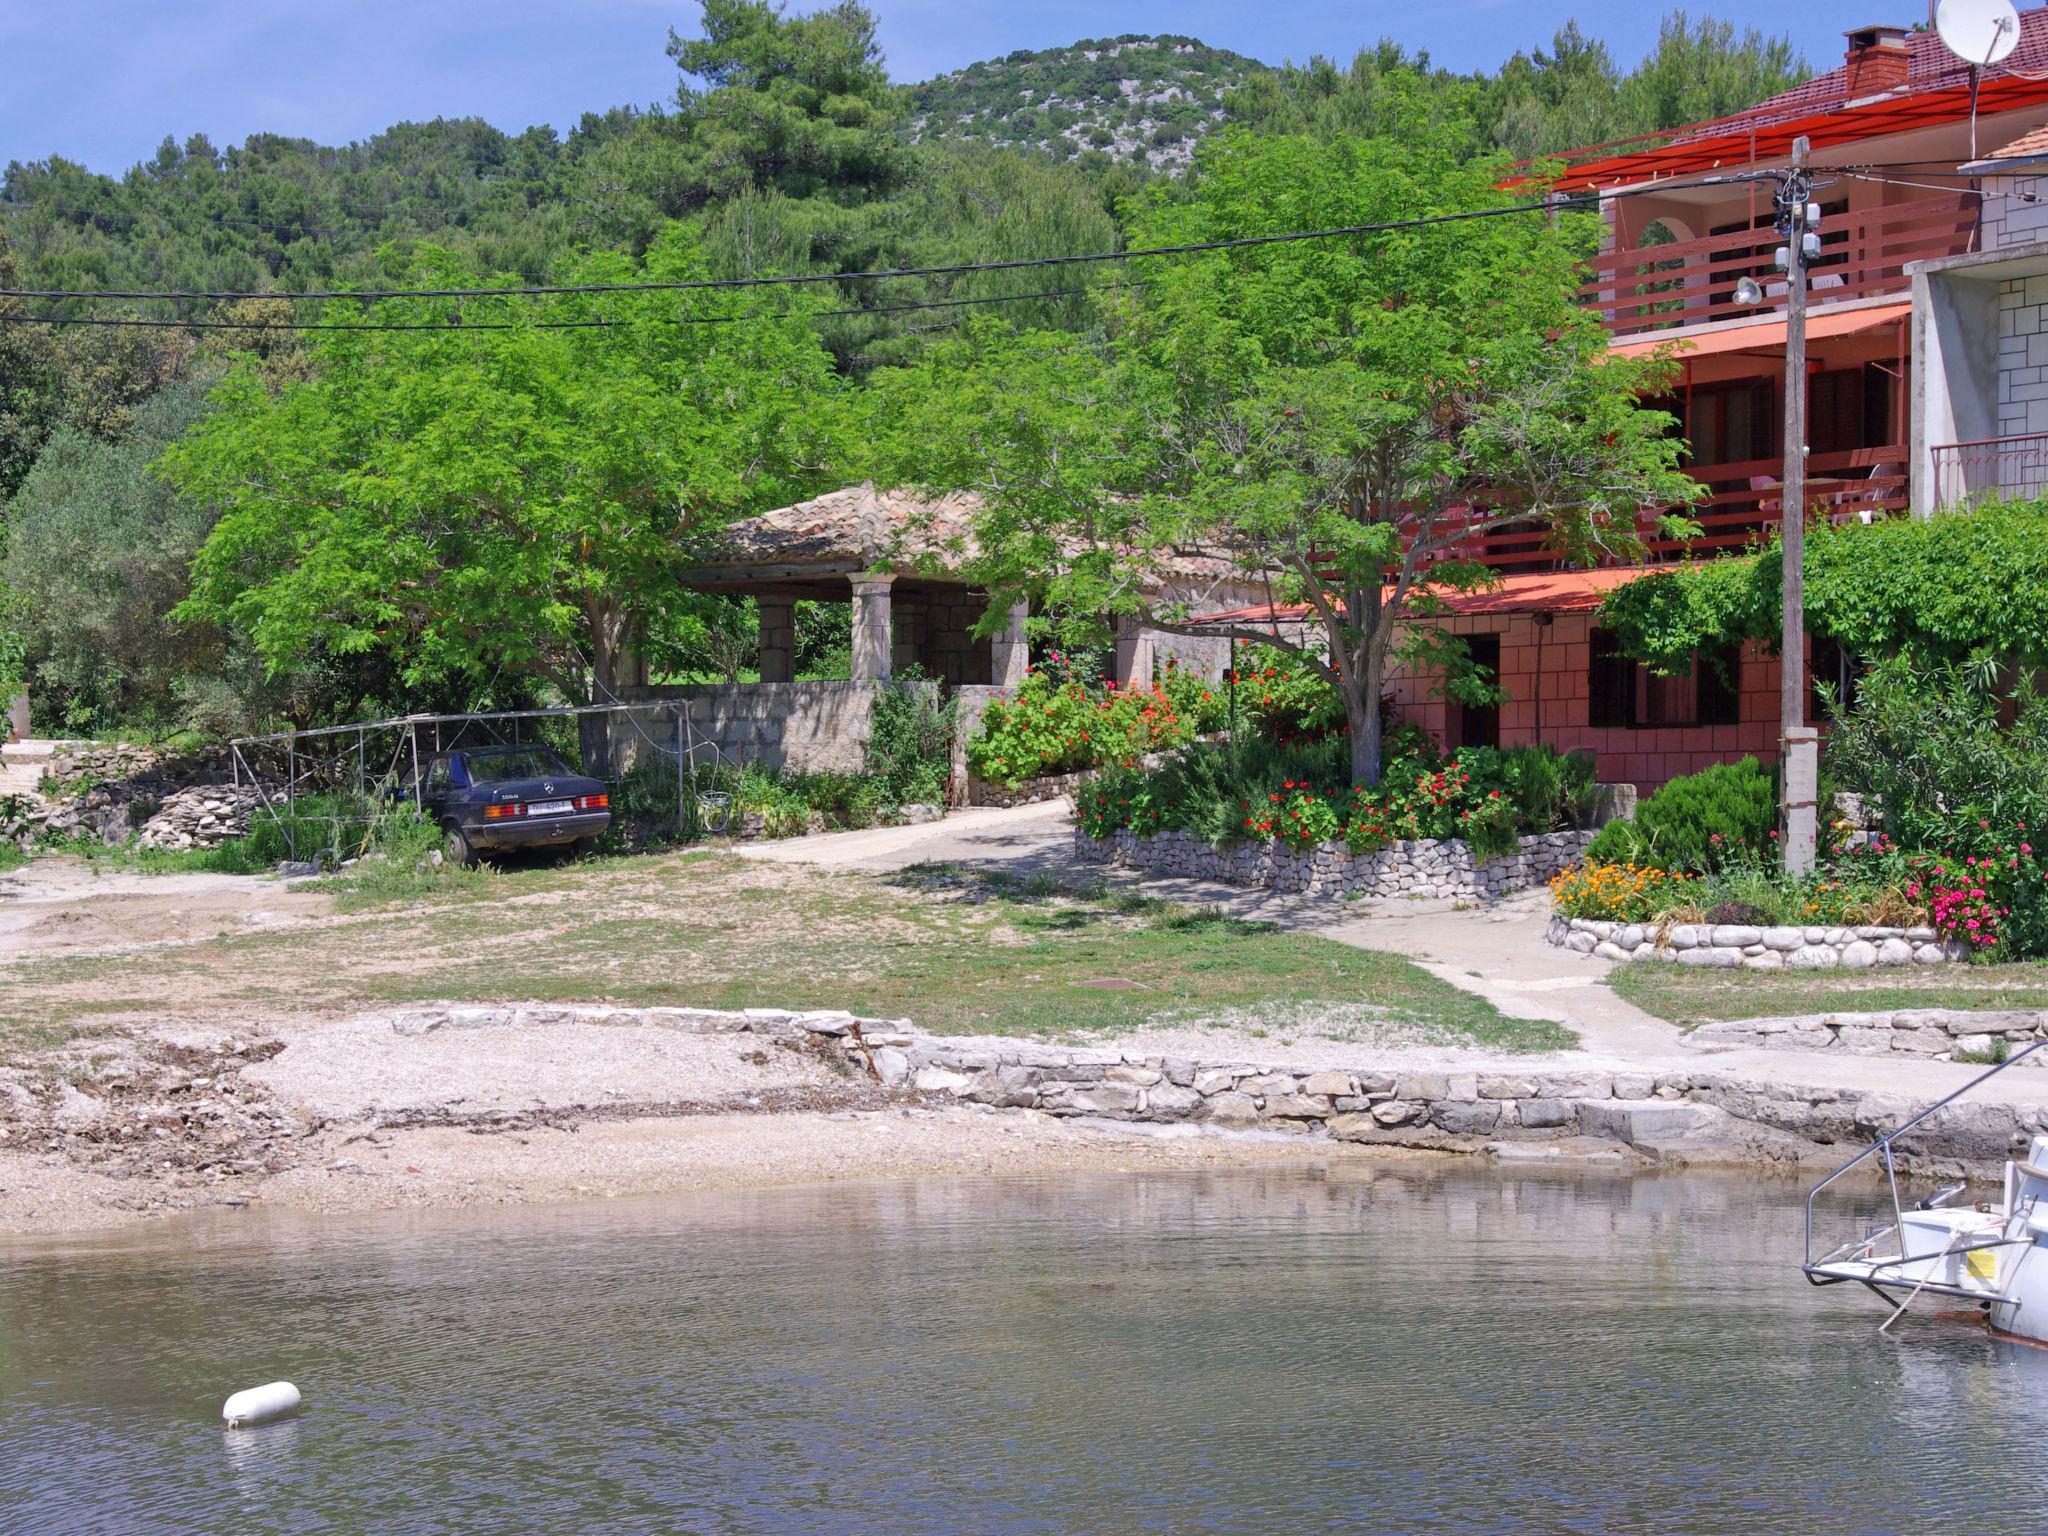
(1388, 1350)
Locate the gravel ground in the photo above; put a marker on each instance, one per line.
(357, 1068)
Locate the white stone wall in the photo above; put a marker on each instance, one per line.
(2022, 356)
(1422, 869)
(1728, 945)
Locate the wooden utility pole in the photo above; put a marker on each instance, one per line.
(1798, 748)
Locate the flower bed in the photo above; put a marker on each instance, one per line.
(1729, 945)
(1419, 869)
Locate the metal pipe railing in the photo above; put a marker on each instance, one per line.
(1884, 1144)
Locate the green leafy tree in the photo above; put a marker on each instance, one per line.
(1339, 420)
(517, 499)
(30, 391)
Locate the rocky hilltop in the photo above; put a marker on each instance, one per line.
(1131, 98)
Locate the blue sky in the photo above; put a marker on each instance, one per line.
(103, 81)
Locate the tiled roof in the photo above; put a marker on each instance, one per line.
(895, 530)
(1930, 67)
(2026, 146)
(1936, 90)
(1534, 592)
(859, 524)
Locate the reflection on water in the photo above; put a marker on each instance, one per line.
(1395, 1349)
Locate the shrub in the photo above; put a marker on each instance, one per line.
(1284, 696)
(1060, 725)
(1300, 792)
(910, 741)
(1702, 822)
(1957, 773)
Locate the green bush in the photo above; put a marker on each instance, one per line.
(1724, 814)
(910, 741)
(1299, 792)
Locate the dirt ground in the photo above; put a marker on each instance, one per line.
(69, 907)
(184, 1042)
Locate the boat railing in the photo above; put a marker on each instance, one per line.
(1883, 1147)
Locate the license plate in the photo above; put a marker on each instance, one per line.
(550, 807)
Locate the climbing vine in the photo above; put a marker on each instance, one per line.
(1940, 589)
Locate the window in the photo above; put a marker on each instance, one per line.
(1620, 694)
(1832, 671)
(1848, 408)
(1733, 423)
(1611, 683)
(1479, 724)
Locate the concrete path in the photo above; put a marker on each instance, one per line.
(22, 764)
(1497, 952)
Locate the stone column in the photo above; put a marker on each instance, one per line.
(1009, 652)
(871, 638)
(778, 638)
(1133, 655)
(17, 716)
(1800, 776)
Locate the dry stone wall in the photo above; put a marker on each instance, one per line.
(1945, 1034)
(204, 816)
(1055, 786)
(1417, 869)
(1728, 945)
(1701, 1116)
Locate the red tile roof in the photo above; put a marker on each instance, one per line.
(1533, 592)
(1936, 90)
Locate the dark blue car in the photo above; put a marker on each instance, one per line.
(511, 797)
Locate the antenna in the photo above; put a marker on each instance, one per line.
(1980, 33)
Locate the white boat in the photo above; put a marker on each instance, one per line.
(1993, 1253)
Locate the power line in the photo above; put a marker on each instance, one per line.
(552, 325)
(1188, 248)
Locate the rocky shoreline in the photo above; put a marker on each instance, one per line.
(455, 1104)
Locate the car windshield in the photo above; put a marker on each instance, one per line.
(513, 763)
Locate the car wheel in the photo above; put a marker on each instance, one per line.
(460, 849)
(582, 848)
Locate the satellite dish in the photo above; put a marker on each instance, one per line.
(1980, 32)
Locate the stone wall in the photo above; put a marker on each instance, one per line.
(1420, 869)
(1728, 945)
(204, 816)
(811, 727)
(1054, 786)
(1680, 1116)
(1941, 1033)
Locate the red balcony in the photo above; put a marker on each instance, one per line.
(1743, 506)
(1863, 254)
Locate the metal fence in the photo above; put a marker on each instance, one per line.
(351, 773)
(2006, 468)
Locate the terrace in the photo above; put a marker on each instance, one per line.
(1658, 282)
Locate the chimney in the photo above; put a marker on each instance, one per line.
(1878, 60)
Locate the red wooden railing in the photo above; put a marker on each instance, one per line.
(1741, 507)
(1658, 287)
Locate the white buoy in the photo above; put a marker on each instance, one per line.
(259, 1405)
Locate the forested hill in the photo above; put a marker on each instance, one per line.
(1133, 98)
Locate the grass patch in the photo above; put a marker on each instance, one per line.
(955, 953)
(1690, 996)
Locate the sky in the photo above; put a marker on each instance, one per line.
(102, 81)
